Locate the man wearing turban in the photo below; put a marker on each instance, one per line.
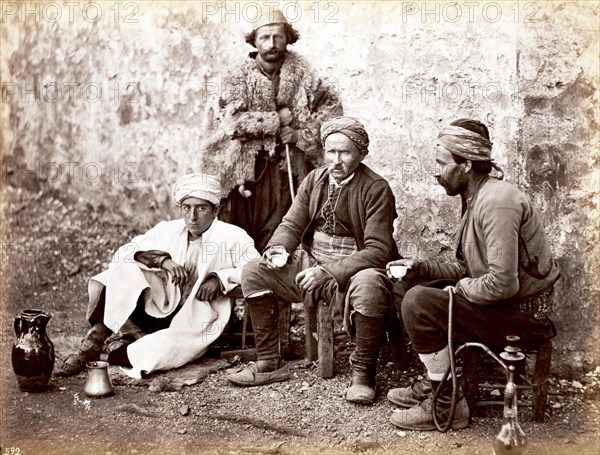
(502, 277)
(343, 220)
(164, 292)
(274, 100)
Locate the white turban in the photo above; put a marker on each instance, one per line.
(201, 186)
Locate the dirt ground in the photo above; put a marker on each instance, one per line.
(53, 245)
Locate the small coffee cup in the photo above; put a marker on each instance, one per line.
(278, 260)
(398, 271)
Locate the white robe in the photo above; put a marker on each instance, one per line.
(224, 251)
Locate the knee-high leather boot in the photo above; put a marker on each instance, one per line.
(264, 314)
(369, 333)
(89, 350)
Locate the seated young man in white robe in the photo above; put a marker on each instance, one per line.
(166, 288)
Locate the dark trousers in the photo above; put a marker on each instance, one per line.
(145, 322)
(366, 305)
(260, 214)
(424, 311)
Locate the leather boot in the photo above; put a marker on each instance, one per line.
(420, 416)
(369, 333)
(264, 314)
(362, 388)
(119, 357)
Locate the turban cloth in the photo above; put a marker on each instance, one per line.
(465, 143)
(201, 186)
(349, 127)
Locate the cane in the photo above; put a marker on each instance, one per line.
(289, 170)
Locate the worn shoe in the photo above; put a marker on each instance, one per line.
(420, 416)
(362, 388)
(407, 397)
(250, 376)
(89, 350)
(118, 340)
(73, 365)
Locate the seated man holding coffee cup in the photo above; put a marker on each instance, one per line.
(502, 276)
(343, 218)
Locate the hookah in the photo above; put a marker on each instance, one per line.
(511, 438)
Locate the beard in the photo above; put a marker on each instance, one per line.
(451, 190)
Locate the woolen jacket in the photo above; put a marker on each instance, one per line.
(369, 205)
(501, 248)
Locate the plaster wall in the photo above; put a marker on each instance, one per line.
(108, 102)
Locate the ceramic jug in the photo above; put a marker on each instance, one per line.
(32, 352)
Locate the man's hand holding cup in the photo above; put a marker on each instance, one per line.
(403, 269)
(276, 257)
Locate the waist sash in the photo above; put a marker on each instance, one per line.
(327, 248)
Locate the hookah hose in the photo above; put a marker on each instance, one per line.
(446, 426)
(452, 370)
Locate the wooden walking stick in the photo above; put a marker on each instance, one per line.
(289, 169)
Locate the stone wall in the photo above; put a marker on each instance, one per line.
(108, 102)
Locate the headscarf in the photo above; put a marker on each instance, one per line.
(201, 186)
(465, 143)
(349, 127)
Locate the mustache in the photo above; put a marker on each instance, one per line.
(335, 167)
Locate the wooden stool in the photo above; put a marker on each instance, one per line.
(318, 333)
(471, 362)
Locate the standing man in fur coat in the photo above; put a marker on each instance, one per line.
(273, 100)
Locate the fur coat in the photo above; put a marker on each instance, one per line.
(246, 120)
